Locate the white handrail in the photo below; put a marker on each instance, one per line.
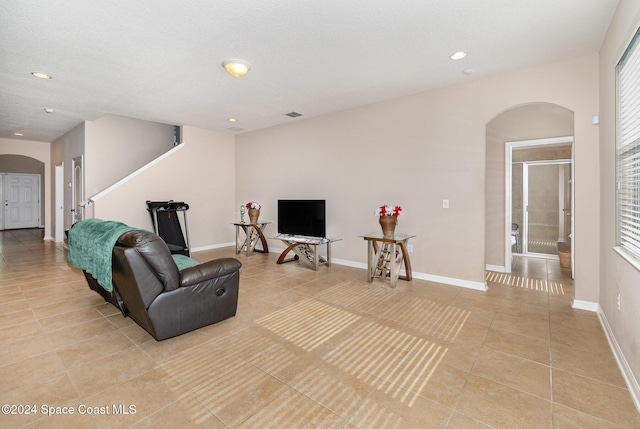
(127, 178)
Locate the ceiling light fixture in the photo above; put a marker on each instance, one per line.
(18, 134)
(236, 68)
(41, 75)
(232, 120)
(48, 110)
(458, 55)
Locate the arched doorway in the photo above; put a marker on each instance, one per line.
(530, 122)
(27, 174)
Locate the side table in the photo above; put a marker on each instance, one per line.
(253, 232)
(384, 261)
(305, 249)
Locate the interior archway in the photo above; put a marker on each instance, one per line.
(21, 164)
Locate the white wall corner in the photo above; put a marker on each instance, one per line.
(627, 373)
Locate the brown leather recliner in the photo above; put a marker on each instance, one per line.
(164, 300)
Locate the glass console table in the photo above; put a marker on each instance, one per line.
(253, 232)
(305, 249)
(385, 255)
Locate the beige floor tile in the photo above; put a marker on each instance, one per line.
(186, 413)
(70, 335)
(17, 318)
(13, 306)
(199, 366)
(29, 372)
(102, 374)
(590, 341)
(499, 406)
(567, 418)
(521, 325)
(70, 318)
(293, 410)
(135, 399)
(56, 391)
(400, 409)
(24, 348)
(60, 421)
(526, 347)
(93, 349)
(459, 421)
(21, 331)
(600, 365)
(341, 390)
(518, 373)
(602, 400)
(239, 393)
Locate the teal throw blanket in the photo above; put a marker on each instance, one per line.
(91, 242)
(183, 262)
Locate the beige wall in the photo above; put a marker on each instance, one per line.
(40, 151)
(200, 172)
(528, 122)
(63, 150)
(115, 146)
(617, 275)
(416, 151)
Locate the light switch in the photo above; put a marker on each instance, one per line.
(445, 204)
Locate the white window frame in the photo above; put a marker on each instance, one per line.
(628, 153)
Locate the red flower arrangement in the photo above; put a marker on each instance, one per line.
(388, 211)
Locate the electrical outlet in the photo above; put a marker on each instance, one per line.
(445, 204)
(618, 301)
(410, 248)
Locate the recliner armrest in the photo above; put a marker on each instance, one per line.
(208, 270)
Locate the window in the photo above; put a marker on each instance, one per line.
(628, 149)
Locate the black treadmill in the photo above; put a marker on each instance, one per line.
(166, 224)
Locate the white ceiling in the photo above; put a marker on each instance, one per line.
(160, 60)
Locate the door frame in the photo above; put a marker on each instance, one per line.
(509, 146)
(4, 183)
(77, 189)
(59, 201)
(524, 238)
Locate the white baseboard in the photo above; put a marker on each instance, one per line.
(48, 238)
(585, 305)
(496, 268)
(627, 373)
(422, 276)
(213, 246)
(452, 281)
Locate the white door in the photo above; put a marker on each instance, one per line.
(21, 201)
(77, 190)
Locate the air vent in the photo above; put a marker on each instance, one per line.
(235, 129)
(293, 114)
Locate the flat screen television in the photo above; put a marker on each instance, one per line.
(302, 217)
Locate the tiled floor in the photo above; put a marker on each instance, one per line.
(306, 350)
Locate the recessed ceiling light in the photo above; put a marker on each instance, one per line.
(232, 120)
(458, 55)
(236, 68)
(48, 110)
(41, 75)
(467, 72)
(18, 134)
